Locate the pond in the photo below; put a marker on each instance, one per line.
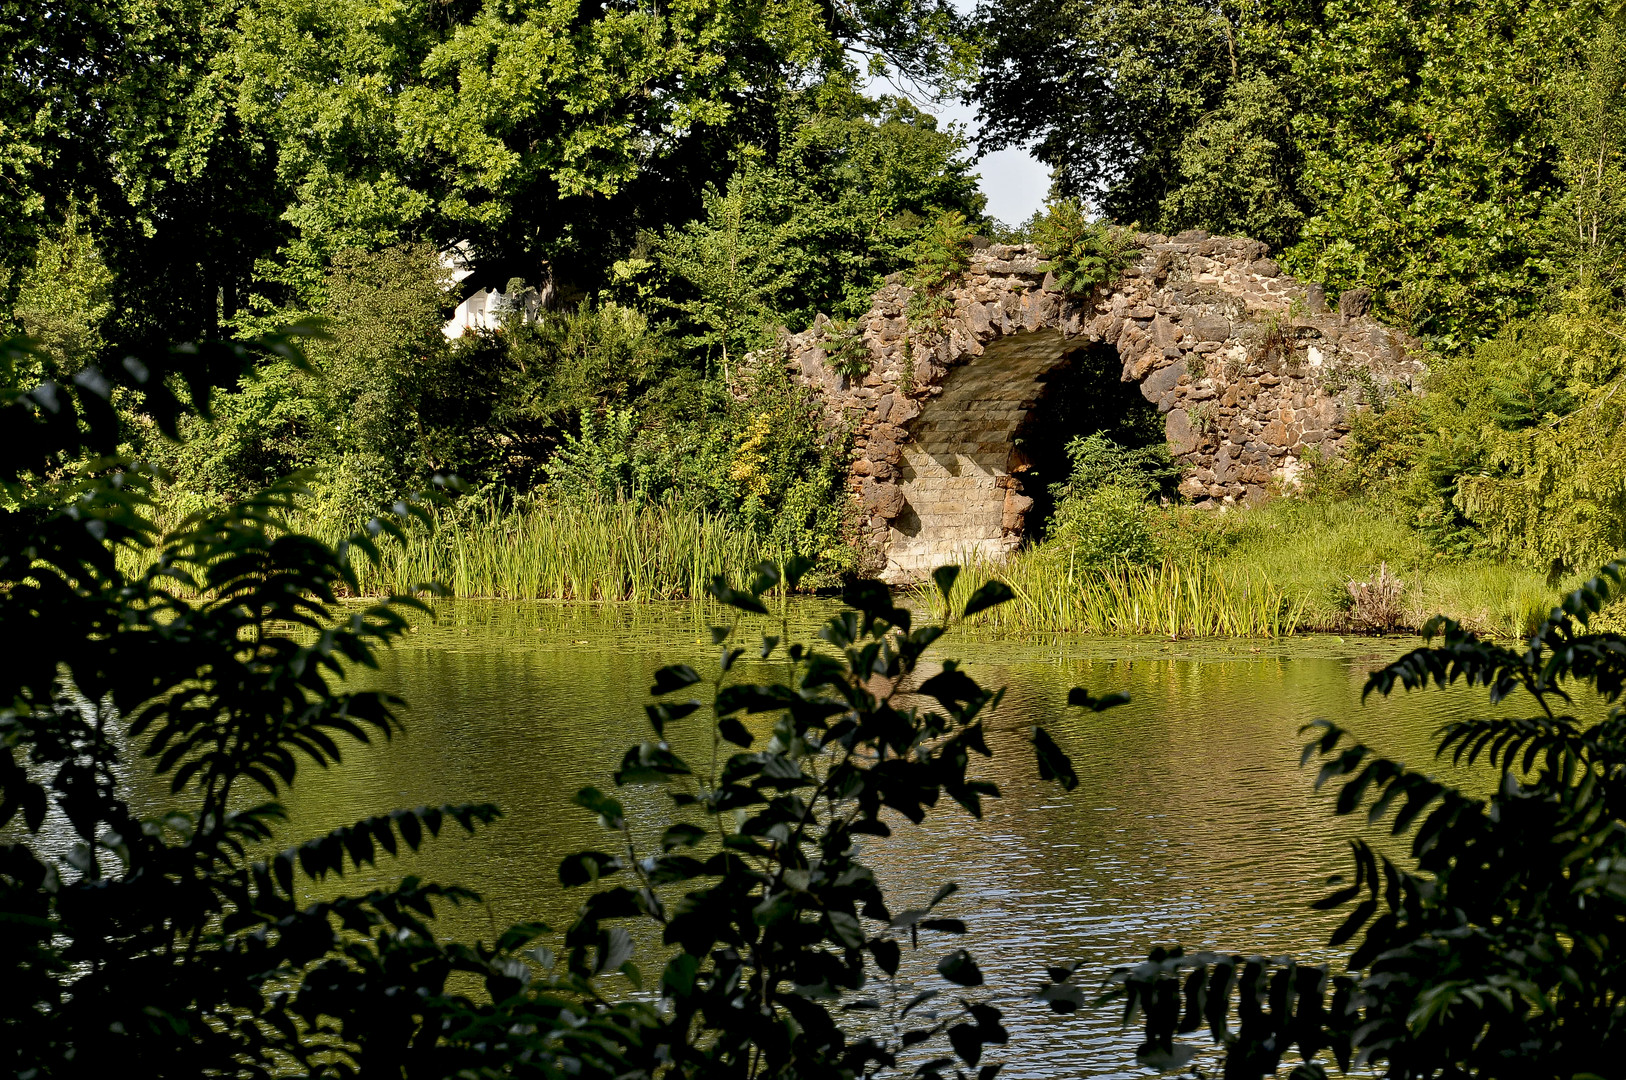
(1192, 822)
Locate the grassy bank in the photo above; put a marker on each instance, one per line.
(1267, 572)
(1311, 550)
(1174, 599)
(1271, 571)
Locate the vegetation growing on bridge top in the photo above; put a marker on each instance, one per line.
(1082, 253)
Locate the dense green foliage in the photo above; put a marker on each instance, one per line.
(1465, 163)
(170, 935)
(176, 939)
(682, 181)
(1102, 513)
(1456, 158)
(815, 227)
(1490, 950)
(1512, 453)
(223, 153)
(683, 184)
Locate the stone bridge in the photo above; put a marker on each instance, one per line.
(1250, 371)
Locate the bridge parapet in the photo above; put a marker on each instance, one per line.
(1249, 369)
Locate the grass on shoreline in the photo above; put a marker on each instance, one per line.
(1171, 599)
(609, 551)
(1312, 549)
(1269, 571)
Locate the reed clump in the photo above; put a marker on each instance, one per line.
(577, 550)
(1173, 598)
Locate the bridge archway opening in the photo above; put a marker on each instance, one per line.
(980, 457)
(1080, 396)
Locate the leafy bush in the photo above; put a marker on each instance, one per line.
(1083, 254)
(814, 225)
(939, 257)
(782, 930)
(1491, 950)
(599, 463)
(1102, 514)
(1111, 524)
(185, 944)
(1512, 450)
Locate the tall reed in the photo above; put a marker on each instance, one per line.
(567, 550)
(1174, 599)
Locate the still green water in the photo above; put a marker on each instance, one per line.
(1192, 822)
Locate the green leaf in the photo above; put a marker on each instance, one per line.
(661, 715)
(796, 568)
(730, 728)
(1054, 764)
(990, 595)
(681, 835)
(673, 677)
(586, 867)
(774, 909)
(735, 598)
(945, 577)
(766, 577)
(888, 954)
(919, 999)
(959, 968)
(844, 929)
(967, 1042)
(1081, 697)
(610, 812)
(678, 978)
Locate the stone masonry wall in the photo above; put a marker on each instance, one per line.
(1249, 368)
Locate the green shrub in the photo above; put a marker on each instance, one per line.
(1512, 450)
(1102, 514)
(939, 257)
(1111, 524)
(1488, 949)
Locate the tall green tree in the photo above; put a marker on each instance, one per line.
(124, 112)
(1589, 217)
(1415, 149)
(1172, 114)
(227, 151)
(1430, 159)
(815, 224)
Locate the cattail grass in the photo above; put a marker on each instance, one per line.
(1173, 599)
(575, 550)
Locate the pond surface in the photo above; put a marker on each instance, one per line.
(1192, 822)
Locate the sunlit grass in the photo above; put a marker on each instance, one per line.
(567, 550)
(1312, 549)
(1270, 571)
(1172, 599)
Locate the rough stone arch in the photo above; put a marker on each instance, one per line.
(1250, 370)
